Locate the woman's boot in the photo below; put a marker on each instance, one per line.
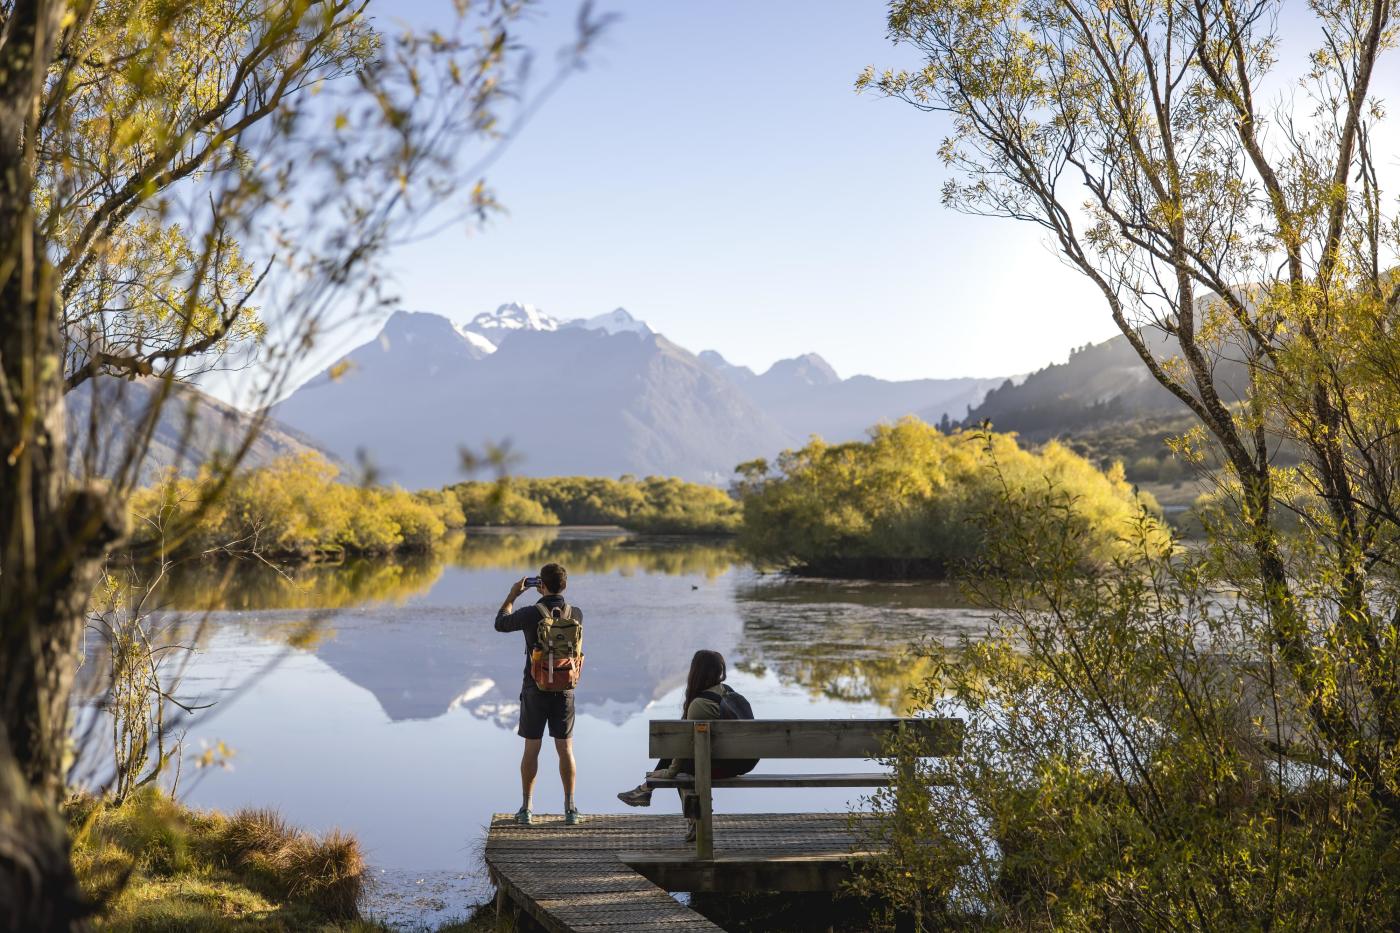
(639, 796)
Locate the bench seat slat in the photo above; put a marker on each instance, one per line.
(780, 780)
(803, 738)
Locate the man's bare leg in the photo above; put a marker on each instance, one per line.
(529, 767)
(567, 770)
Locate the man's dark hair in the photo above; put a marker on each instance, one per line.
(555, 577)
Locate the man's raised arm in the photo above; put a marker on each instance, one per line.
(504, 620)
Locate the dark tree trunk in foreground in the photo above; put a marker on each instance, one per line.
(50, 535)
(54, 538)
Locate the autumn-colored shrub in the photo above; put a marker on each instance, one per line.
(294, 507)
(907, 502)
(656, 505)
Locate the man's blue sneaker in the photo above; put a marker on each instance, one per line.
(571, 817)
(522, 816)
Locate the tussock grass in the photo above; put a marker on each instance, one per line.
(159, 866)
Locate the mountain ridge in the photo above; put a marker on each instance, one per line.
(617, 396)
(1100, 383)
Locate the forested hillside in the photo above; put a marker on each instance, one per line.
(1099, 383)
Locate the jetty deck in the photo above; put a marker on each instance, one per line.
(611, 873)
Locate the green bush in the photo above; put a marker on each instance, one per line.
(906, 502)
(1135, 755)
(658, 505)
(294, 507)
(500, 503)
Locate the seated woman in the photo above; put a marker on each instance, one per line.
(704, 688)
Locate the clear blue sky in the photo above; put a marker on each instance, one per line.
(714, 172)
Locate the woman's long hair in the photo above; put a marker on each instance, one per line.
(706, 670)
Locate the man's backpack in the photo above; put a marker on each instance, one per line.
(732, 705)
(557, 658)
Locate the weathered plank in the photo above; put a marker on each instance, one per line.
(569, 879)
(866, 779)
(803, 738)
(704, 827)
(747, 872)
(608, 874)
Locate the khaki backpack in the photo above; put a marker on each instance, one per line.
(557, 658)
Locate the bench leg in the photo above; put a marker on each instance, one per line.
(705, 828)
(504, 922)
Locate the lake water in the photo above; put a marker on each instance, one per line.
(378, 698)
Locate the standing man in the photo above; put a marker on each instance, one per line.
(541, 708)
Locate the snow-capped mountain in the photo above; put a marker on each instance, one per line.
(417, 344)
(616, 321)
(475, 339)
(573, 400)
(510, 318)
(594, 396)
(516, 316)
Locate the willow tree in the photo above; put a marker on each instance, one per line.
(1234, 207)
(168, 168)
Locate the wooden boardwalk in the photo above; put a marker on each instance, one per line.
(611, 873)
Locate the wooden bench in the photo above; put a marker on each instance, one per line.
(705, 740)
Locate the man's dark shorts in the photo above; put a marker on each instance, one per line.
(538, 709)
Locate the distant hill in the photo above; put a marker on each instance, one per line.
(1099, 384)
(192, 428)
(620, 399)
(806, 396)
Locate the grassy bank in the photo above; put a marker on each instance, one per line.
(159, 865)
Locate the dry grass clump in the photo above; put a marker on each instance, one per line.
(255, 830)
(327, 873)
(158, 865)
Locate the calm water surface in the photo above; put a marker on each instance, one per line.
(378, 698)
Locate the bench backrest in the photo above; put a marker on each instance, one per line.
(803, 738)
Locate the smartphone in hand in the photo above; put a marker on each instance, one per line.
(531, 582)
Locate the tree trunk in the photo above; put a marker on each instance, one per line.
(37, 887)
(53, 534)
(53, 530)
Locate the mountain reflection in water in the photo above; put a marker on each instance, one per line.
(416, 630)
(378, 697)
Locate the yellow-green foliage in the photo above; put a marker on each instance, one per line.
(1123, 766)
(660, 505)
(907, 501)
(292, 507)
(157, 865)
(500, 503)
